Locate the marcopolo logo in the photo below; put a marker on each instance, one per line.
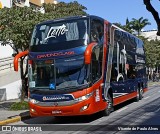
(53, 98)
(56, 98)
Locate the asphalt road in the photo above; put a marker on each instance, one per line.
(128, 118)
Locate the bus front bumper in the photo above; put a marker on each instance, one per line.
(86, 107)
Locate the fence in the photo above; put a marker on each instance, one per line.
(6, 63)
(2, 94)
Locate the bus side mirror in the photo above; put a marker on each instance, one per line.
(88, 53)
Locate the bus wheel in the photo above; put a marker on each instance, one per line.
(109, 108)
(141, 93)
(138, 94)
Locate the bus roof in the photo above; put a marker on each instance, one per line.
(122, 30)
(87, 16)
(69, 18)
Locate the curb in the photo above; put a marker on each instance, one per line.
(150, 84)
(15, 119)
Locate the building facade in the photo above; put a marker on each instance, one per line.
(22, 3)
(37, 3)
(5, 3)
(150, 34)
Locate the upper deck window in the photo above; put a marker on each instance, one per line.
(62, 34)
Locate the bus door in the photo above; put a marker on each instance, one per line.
(108, 52)
(97, 35)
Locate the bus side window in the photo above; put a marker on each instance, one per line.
(96, 63)
(114, 73)
(131, 73)
(94, 34)
(97, 31)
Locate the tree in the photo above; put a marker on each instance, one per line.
(17, 24)
(139, 24)
(126, 27)
(152, 51)
(154, 13)
(64, 9)
(16, 28)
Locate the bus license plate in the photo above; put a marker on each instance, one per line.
(56, 112)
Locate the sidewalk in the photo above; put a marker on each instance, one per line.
(151, 83)
(7, 116)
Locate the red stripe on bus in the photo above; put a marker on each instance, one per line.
(145, 89)
(124, 98)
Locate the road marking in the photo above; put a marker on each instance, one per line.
(146, 97)
(124, 108)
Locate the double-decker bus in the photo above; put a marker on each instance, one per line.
(82, 65)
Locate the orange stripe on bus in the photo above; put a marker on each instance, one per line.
(88, 53)
(124, 98)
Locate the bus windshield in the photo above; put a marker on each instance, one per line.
(58, 74)
(59, 35)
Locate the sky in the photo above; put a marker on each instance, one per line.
(116, 11)
(119, 10)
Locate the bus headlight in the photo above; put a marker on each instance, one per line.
(33, 101)
(85, 97)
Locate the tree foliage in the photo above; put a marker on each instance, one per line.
(16, 28)
(135, 25)
(152, 51)
(64, 9)
(126, 27)
(17, 24)
(138, 24)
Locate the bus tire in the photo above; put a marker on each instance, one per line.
(140, 93)
(109, 107)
